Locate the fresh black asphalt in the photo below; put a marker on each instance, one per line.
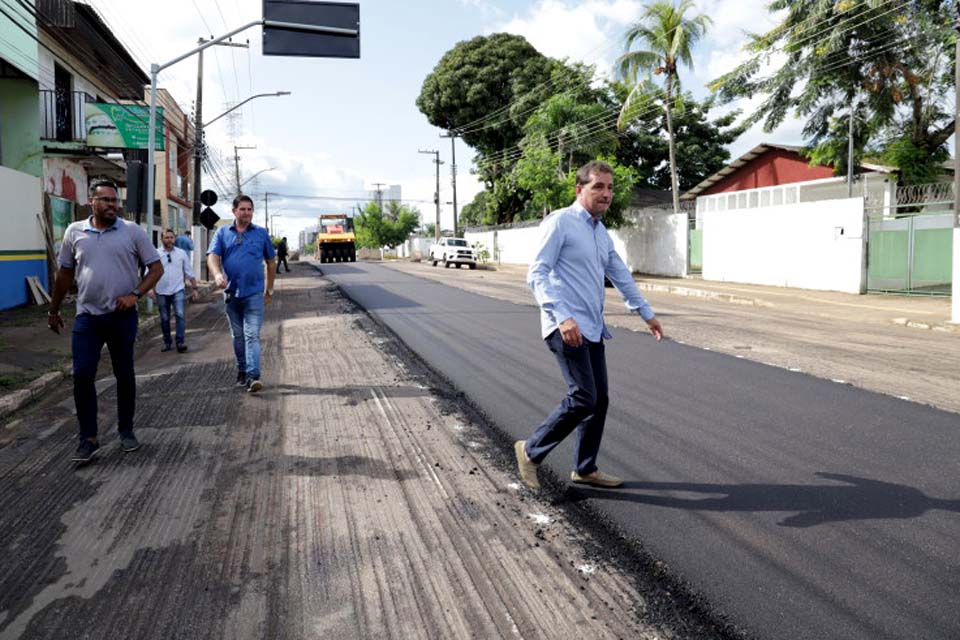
(799, 507)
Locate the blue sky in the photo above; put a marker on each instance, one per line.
(351, 123)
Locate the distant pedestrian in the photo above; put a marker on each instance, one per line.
(236, 256)
(104, 255)
(171, 291)
(282, 252)
(185, 241)
(566, 276)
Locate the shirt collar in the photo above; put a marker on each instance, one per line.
(583, 214)
(88, 225)
(250, 226)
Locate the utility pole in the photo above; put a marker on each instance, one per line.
(453, 135)
(379, 191)
(853, 115)
(198, 147)
(436, 194)
(236, 163)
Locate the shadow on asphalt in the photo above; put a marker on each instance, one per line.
(371, 297)
(338, 268)
(859, 499)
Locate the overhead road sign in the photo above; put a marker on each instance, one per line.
(287, 32)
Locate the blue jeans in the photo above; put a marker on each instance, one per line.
(163, 304)
(584, 369)
(118, 330)
(246, 318)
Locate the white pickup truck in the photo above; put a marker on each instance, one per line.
(453, 251)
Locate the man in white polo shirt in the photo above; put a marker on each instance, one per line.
(170, 290)
(105, 255)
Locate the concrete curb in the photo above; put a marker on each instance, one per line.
(701, 293)
(16, 400)
(914, 324)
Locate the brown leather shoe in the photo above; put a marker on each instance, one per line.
(597, 479)
(528, 469)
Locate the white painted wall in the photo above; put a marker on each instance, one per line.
(21, 199)
(415, 247)
(509, 246)
(655, 244)
(808, 245)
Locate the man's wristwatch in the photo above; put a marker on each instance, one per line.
(137, 293)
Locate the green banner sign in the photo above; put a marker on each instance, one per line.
(121, 126)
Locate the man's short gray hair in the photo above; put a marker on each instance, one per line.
(585, 172)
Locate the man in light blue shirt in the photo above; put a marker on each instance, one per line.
(566, 276)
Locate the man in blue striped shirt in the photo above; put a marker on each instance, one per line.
(566, 276)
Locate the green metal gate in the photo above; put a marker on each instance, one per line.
(694, 248)
(910, 244)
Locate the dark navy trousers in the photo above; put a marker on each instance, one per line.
(117, 330)
(584, 369)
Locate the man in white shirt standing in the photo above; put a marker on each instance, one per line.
(170, 291)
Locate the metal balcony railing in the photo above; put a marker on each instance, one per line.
(62, 115)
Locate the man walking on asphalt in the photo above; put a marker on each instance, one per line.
(566, 276)
(235, 258)
(171, 292)
(282, 255)
(104, 253)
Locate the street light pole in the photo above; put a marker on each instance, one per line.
(155, 70)
(236, 163)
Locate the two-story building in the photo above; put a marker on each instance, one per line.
(23, 250)
(174, 174)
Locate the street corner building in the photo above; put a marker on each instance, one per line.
(71, 112)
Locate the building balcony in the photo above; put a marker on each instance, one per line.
(62, 115)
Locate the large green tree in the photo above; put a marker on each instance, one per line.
(376, 228)
(667, 36)
(893, 59)
(700, 142)
(491, 78)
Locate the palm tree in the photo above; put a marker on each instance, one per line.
(669, 36)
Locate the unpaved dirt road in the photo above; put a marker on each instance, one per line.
(353, 498)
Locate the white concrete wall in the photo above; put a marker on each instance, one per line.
(656, 244)
(21, 199)
(810, 245)
(509, 246)
(415, 247)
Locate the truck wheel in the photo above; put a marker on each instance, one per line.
(433, 260)
(446, 264)
(473, 266)
(458, 265)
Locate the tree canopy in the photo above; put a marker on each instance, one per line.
(894, 61)
(376, 228)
